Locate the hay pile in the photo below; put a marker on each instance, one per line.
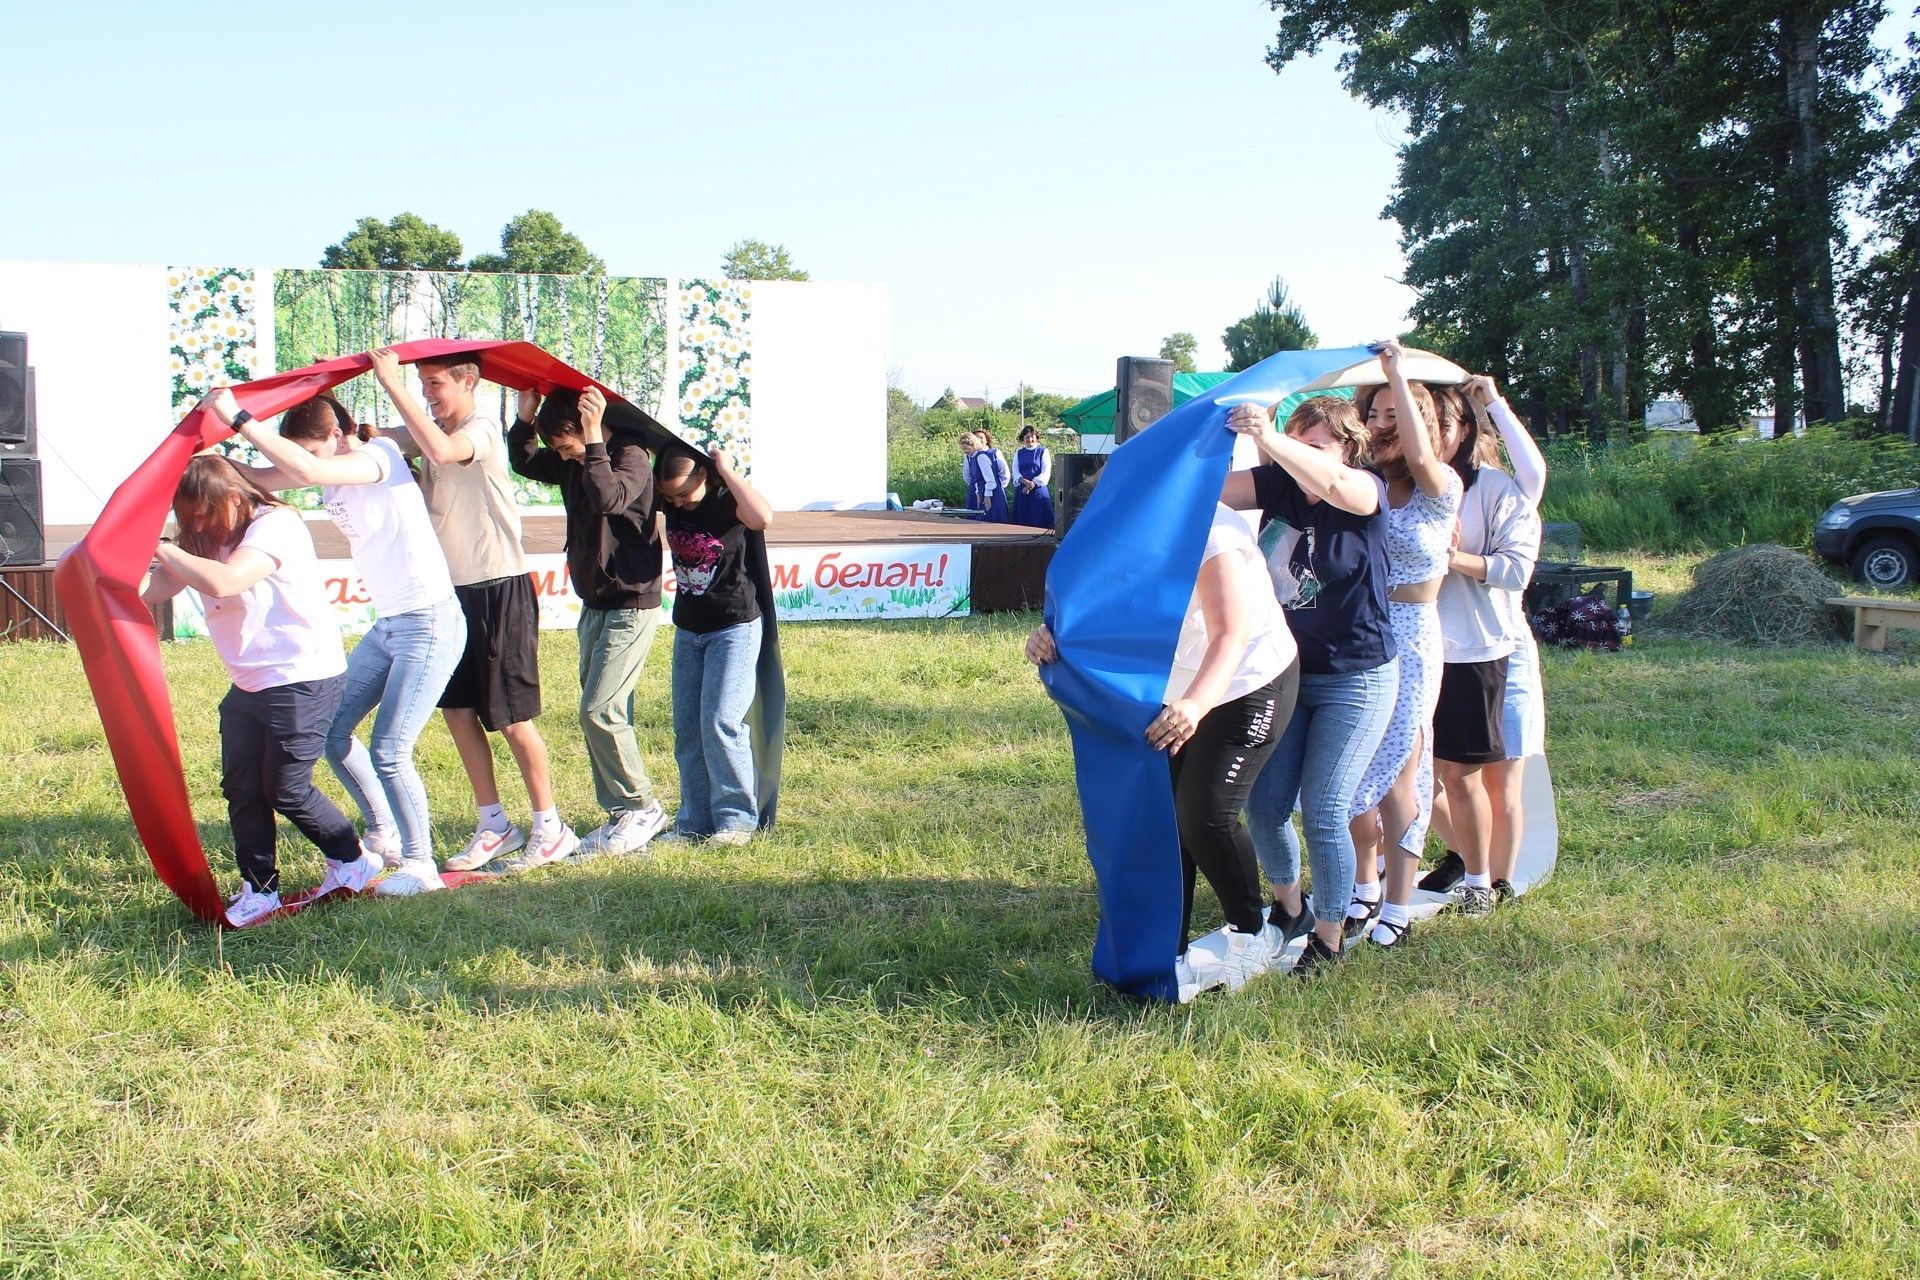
(1762, 594)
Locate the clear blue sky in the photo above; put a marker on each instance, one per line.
(1040, 187)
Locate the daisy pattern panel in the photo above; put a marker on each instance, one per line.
(716, 366)
(211, 331)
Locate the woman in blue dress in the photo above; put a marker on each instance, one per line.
(1033, 466)
(986, 478)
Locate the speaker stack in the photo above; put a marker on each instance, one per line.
(23, 539)
(1143, 394)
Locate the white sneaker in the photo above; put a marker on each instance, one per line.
(250, 907)
(1228, 958)
(735, 838)
(384, 845)
(484, 846)
(416, 875)
(626, 832)
(543, 852)
(350, 877)
(1187, 981)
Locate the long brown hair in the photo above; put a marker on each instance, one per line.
(316, 419)
(1424, 400)
(214, 504)
(1478, 447)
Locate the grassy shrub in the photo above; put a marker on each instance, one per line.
(1684, 493)
(925, 466)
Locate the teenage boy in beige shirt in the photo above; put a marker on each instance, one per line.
(496, 687)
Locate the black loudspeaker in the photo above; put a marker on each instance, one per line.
(29, 445)
(1143, 394)
(1073, 479)
(16, 393)
(23, 535)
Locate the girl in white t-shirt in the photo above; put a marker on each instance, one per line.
(1230, 694)
(251, 559)
(403, 663)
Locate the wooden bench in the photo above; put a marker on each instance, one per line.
(1873, 618)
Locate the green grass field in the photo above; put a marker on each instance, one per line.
(870, 1045)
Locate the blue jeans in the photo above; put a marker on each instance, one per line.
(713, 684)
(1337, 725)
(402, 665)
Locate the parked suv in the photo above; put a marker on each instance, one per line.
(1876, 535)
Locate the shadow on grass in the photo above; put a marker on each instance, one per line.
(696, 923)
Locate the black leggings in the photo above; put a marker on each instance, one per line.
(1212, 775)
(269, 742)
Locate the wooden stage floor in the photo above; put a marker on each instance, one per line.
(546, 534)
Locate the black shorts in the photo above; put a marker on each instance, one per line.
(1466, 723)
(499, 674)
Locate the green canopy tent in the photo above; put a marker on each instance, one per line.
(1094, 415)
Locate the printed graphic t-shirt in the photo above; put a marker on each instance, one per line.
(1331, 578)
(709, 548)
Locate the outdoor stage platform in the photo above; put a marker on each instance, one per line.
(1009, 562)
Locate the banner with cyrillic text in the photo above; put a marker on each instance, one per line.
(809, 584)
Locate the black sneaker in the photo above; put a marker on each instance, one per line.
(1353, 926)
(1504, 892)
(1473, 900)
(1448, 872)
(1291, 927)
(1314, 957)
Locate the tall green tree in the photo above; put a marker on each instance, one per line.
(535, 243)
(406, 242)
(1607, 201)
(1886, 289)
(758, 260)
(1276, 324)
(1179, 348)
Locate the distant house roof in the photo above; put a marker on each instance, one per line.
(970, 402)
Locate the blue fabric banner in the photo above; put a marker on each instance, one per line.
(1117, 591)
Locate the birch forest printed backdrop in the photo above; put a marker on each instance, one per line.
(612, 328)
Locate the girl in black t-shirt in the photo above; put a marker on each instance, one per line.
(707, 509)
(1332, 583)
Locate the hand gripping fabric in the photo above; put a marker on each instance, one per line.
(1117, 591)
(98, 582)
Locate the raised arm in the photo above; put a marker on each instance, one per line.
(1321, 473)
(1416, 442)
(525, 454)
(423, 434)
(755, 511)
(611, 481)
(1529, 464)
(293, 467)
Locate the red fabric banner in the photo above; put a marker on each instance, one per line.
(98, 582)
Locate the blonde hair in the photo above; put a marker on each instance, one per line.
(1342, 421)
